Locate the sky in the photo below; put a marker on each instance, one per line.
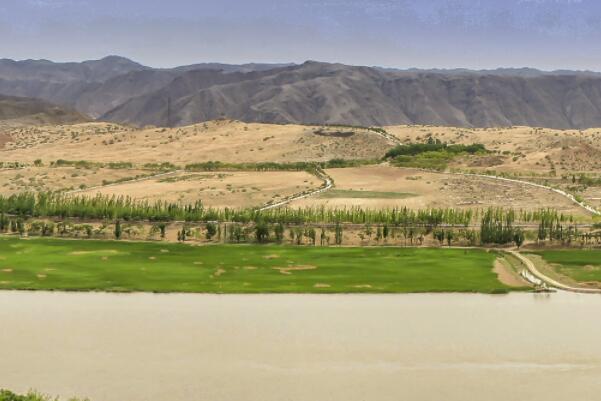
(478, 34)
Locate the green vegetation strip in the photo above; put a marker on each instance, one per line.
(580, 265)
(6, 395)
(432, 155)
(51, 264)
(342, 193)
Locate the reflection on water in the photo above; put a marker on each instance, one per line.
(302, 347)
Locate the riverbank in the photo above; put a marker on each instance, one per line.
(113, 266)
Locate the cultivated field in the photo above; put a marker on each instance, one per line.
(121, 266)
(217, 189)
(385, 187)
(579, 268)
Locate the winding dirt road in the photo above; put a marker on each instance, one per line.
(549, 281)
(328, 184)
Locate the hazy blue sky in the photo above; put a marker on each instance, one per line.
(547, 34)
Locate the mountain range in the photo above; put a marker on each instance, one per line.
(119, 90)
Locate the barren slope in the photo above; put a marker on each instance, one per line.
(227, 141)
(26, 111)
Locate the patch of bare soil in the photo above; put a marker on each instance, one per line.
(508, 276)
(290, 269)
(4, 139)
(218, 272)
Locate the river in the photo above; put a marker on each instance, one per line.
(136, 347)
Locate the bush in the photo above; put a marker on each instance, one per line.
(419, 148)
(6, 395)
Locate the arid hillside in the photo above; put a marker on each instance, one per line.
(224, 140)
(165, 164)
(27, 111)
(518, 150)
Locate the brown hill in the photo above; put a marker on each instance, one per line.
(36, 112)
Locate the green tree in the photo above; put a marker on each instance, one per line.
(279, 233)
(4, 223)
(312, 234)
(338, 234)
(118, 230)
(262, 232)
(211, 230)
(518, 238)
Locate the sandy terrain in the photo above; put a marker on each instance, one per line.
(217, 189)
(592, 196)
(436, 190)
(541, 155)
(58, 178)
(228, 141)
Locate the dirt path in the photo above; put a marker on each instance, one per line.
(549, 281)
(328, 184)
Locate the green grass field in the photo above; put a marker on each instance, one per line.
(53, 264)
(342, 193)
(581, 265)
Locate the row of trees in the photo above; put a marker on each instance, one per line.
(496, 224)
(495, 229)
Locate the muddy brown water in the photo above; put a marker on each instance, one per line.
(137, 347)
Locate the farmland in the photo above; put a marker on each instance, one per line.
(577, 267)
(48, 264)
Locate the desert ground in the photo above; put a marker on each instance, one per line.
(43, 179)
(223, 140)
(216, 189)
(544, 156)
(386, 187)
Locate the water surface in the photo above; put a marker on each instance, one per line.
(136, 347)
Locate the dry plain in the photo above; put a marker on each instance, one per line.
(236, 189)
(376, 187)
(43, 179)
(223, 140)
(551, 157)
(519, 150)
